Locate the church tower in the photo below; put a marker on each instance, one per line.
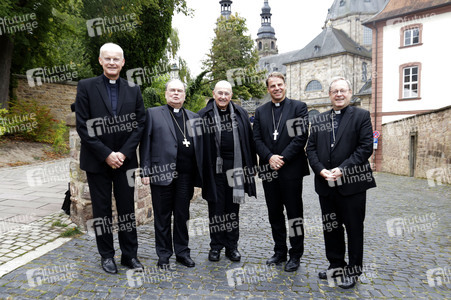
(226, 8)
(266, 36)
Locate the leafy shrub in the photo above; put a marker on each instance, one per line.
(32, 121)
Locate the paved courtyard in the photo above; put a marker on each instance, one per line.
(407, 255)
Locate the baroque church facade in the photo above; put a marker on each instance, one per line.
(342, 48)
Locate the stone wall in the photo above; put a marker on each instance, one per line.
(81, 208)
(57, 96)
(433, 146)
(323, 70)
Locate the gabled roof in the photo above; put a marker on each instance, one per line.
(344, 8)
(397, 8)
(276, 62)
(330, 41)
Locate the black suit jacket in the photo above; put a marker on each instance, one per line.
(353, 147)
(247, 149)
(290, 143)
(100, 132)
(158, 148)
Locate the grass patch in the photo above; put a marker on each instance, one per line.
(71, 232)
(59, 224)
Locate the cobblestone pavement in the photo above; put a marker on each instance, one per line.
(407, 255)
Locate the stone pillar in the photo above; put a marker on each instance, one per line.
(81, 209)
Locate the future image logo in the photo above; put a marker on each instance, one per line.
(401, 226)
(110, 25)
(438, 276)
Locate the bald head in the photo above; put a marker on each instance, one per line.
(222, 94)
(223, 85)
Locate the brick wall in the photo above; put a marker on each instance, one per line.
(57, 96)
(433, 146)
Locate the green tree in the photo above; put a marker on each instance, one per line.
(145, 39)
(233, 56)
(26, 26)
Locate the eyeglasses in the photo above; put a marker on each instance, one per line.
(173, 91)
(335, 92)
(111, 59)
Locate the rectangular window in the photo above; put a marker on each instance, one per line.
(367, 36)
(410, 82)
(411, 36)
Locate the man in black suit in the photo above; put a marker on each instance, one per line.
(171, 162)
(229, 168)
(110, 121)
(283, 164)
(339, 147)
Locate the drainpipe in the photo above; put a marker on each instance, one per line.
(375, 88)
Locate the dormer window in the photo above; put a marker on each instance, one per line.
(342, 3)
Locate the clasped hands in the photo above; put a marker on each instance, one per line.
(115, 160)
(276, 162)
(331, 175)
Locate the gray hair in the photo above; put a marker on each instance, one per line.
(335, 79)
(112, 47)
(174, 80)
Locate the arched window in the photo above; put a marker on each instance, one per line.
(364, 71)
(272, 45)
(314, 85)
(259, 45)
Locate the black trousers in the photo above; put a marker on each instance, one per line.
(100, 187)
(224, 214)
(172, 200)
(350, 214)
(279, 194)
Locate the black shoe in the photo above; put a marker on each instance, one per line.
(214, 255)
(293, 264)
(348, 282)
(163, 263)
(109, 265)
(277, 258)
(233, 255)
(322, 275)
(186, 261)
(132, 263)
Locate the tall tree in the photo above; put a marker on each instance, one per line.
(147, 28)
(233, 57)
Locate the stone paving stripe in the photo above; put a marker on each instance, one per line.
(26, 258)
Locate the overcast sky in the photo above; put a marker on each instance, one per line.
(296, 23)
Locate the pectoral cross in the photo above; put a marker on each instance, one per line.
(186, 143)
(276, 133)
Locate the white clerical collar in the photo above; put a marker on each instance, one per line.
(337, 112)
(277, 104)
(176, 110)
(112, 81)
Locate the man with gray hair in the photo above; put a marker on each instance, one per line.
(105, 105)
(171, 162)
(338, 154)
(229, 167)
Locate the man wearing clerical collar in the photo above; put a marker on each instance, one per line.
(110, 121)
(171, 162)
(339, 147)
(282, 166)
(229, 169)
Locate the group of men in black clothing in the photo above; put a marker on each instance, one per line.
(217, 149)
